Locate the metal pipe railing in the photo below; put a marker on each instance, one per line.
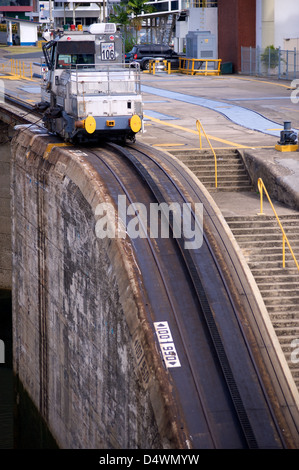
(261, 188)
(200, 128)
(193, 66)
(17, 69)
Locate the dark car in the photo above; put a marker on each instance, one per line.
(143, 53)
(128, 56)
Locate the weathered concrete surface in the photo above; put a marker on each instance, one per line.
(5, 231)
(82, 345)
(279, 172)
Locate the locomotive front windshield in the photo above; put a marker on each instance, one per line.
(69, 60)
(71, 53)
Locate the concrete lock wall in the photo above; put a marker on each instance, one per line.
(82, 346)
(5, 231)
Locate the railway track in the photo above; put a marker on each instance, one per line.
(217, 382)
(224, 397)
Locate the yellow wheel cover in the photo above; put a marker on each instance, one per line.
(90, 124)
(135, 123)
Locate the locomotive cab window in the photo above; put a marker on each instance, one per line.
(72, 53)
(71, 60)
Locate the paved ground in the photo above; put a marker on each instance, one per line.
(236, 112)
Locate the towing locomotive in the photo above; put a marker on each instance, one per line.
(88, 92)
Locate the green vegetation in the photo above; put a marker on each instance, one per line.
(270, 57)
(123, 16)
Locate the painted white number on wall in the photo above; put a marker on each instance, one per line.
(167, 346)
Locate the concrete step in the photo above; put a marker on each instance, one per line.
(263, 218)
(281, 300)
(285, 323)
(222, 179)
(272, 272)
(262, 263)
(286, 309)
(276, 280)
(265, 286)
(287, 332)
(280, 293)
(231, 172)
(261, 239)
(268, 231)
(189, 155)
(229, 188)
(286, 315)
(197, 166)
(252, 256)
(221, 172)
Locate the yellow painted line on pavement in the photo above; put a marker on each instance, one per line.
(290, 109)
(17, 78)
(265, 81)
(185, 129)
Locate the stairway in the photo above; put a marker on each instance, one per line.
(231, 172)
(260, 239)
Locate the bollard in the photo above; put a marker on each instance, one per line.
(288, 139)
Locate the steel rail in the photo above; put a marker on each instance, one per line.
(210, 321)
(148, 156)
(178, 168)
(169, 296)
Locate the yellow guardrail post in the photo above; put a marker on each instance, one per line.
(262, 188)
(199, 128)
(206, 68)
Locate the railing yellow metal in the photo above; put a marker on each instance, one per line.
(187, 66)
(16, 69)
(195, 66)
(261, 188)
(200, 128)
